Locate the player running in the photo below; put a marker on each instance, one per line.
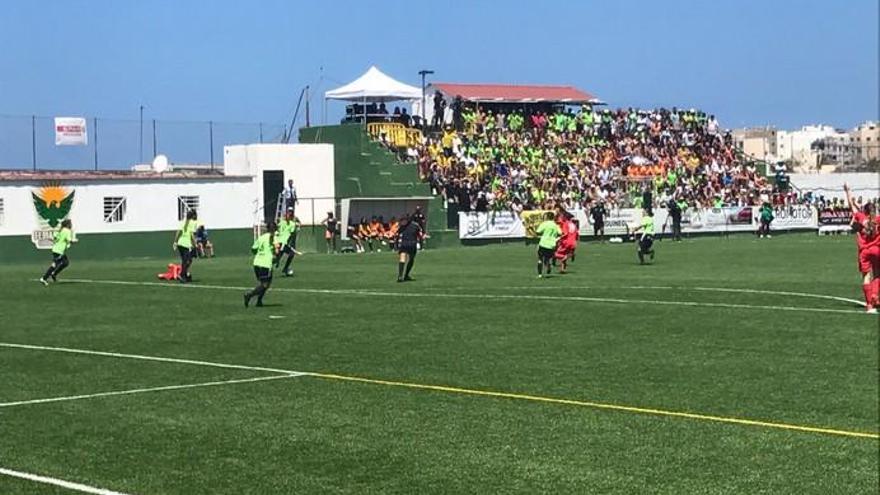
(646, 240)
(284, 236)
(264, 249)
(550, 234)
(568, 243)
(61, 242)
(184, 243)
(865, 224)
(408, 234)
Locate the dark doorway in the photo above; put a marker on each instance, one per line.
(273, 186)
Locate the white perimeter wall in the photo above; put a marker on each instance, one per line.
(831, 185)
(310, 166)
(151, 204)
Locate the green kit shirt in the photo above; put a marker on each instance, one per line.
(550, 233)
(264, 251)
(62, 241)
(187, 229)
(648, 225)
(286, 228)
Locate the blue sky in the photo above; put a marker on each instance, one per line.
(751, 62)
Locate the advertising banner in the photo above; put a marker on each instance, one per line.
(71, 131)
(616, 221)
(532, 218)
(836, 217)
(728, 219)
(793, 217)
(484, 225)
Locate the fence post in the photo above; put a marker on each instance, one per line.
(34, 141)
(95, 126)
(211, 138)
(154, 139)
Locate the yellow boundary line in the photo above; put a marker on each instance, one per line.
(468, 391)
(600, 405)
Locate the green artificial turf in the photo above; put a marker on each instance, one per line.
(660, 337)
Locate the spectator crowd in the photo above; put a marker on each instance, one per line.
(489, 160)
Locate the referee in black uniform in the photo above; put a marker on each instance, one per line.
(408, 234)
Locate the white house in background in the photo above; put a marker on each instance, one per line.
(797, 146)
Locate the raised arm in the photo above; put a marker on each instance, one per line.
(849, 199)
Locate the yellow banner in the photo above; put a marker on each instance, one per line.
(532, 218)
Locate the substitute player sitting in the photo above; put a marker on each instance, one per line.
(865, 223)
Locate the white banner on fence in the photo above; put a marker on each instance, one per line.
(71, 131)
(794, 217)
(483, 225)
(616, 221)
(729, 219)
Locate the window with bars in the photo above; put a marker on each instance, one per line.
(114, 209)
(186, 204)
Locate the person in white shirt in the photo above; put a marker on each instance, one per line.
(290, 199)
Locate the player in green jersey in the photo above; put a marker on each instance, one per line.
(184, 243)
(646, 239)
(265, 249)
(61, 243)
(284, 238)
(550, 233)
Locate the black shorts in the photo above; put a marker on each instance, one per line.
(185, 254)
(545, 254)
(59, 259)
(263, 274)
(410, 249)
(287, 249)
(646, 242)
(597, 226)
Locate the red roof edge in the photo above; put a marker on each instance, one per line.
(515, 92)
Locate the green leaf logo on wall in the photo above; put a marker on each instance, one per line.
(53, 203)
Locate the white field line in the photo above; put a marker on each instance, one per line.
(153, 358)
(358, 292)
(142, 390)
(696, 289)
(595, 405)
(77, 487)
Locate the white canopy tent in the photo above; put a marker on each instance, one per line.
(374, 86)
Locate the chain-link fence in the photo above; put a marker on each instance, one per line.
(28, 142)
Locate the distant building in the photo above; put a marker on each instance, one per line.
(806, 147)
(756, 142)
(866, 141)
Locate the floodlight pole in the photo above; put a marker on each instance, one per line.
(423, 73)
(141, 139)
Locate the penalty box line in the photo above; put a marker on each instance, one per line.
(496, 394)
(368, 292)
(46, 480)
(143, 390)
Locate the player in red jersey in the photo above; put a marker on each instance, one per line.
(568, 242)
(865, 223)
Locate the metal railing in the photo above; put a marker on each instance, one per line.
(28, 142)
